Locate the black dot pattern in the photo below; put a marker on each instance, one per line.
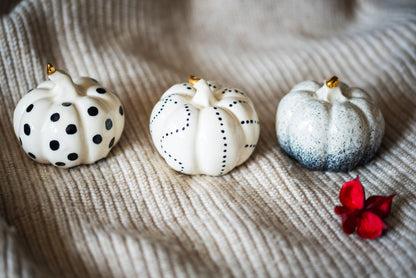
(224, 138)
(167, 134)
(101, 91)
(55, 117)
(72, 156)
(212, 85)
(164, 103)
(245, 122)
(26, 129)
(108, 124)
(93, 111)
(235, 102)
(111, 142)
(232, 103)
(227, 91)
(54, 145)
(97, 139)
(29, 108)
(188, 86)
(71, 129)
(250, 146)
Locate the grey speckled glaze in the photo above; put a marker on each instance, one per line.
(334, 129)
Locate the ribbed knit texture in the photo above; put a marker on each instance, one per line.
(130, 215)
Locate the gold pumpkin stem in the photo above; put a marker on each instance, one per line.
(193, 79)
(332, 82)
(50, 69)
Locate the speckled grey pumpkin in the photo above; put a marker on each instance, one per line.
(326, 128)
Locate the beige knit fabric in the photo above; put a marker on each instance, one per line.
(130, 215)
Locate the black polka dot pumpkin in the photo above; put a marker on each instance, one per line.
(201, 128)
(68, 123)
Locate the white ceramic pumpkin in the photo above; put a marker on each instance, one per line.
(68, 123)
(201, 128)
(329, 126)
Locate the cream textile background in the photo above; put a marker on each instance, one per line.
(131, 215)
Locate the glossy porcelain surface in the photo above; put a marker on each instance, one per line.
(204, 129)
(333, 129)
(68, 123)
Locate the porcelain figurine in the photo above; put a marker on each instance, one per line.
(68, 123)
(329, 126)
(202, 128)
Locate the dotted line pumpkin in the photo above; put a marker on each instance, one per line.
(329, 127)
(68, 123)
(200, 128)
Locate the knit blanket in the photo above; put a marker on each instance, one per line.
(131, 215)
